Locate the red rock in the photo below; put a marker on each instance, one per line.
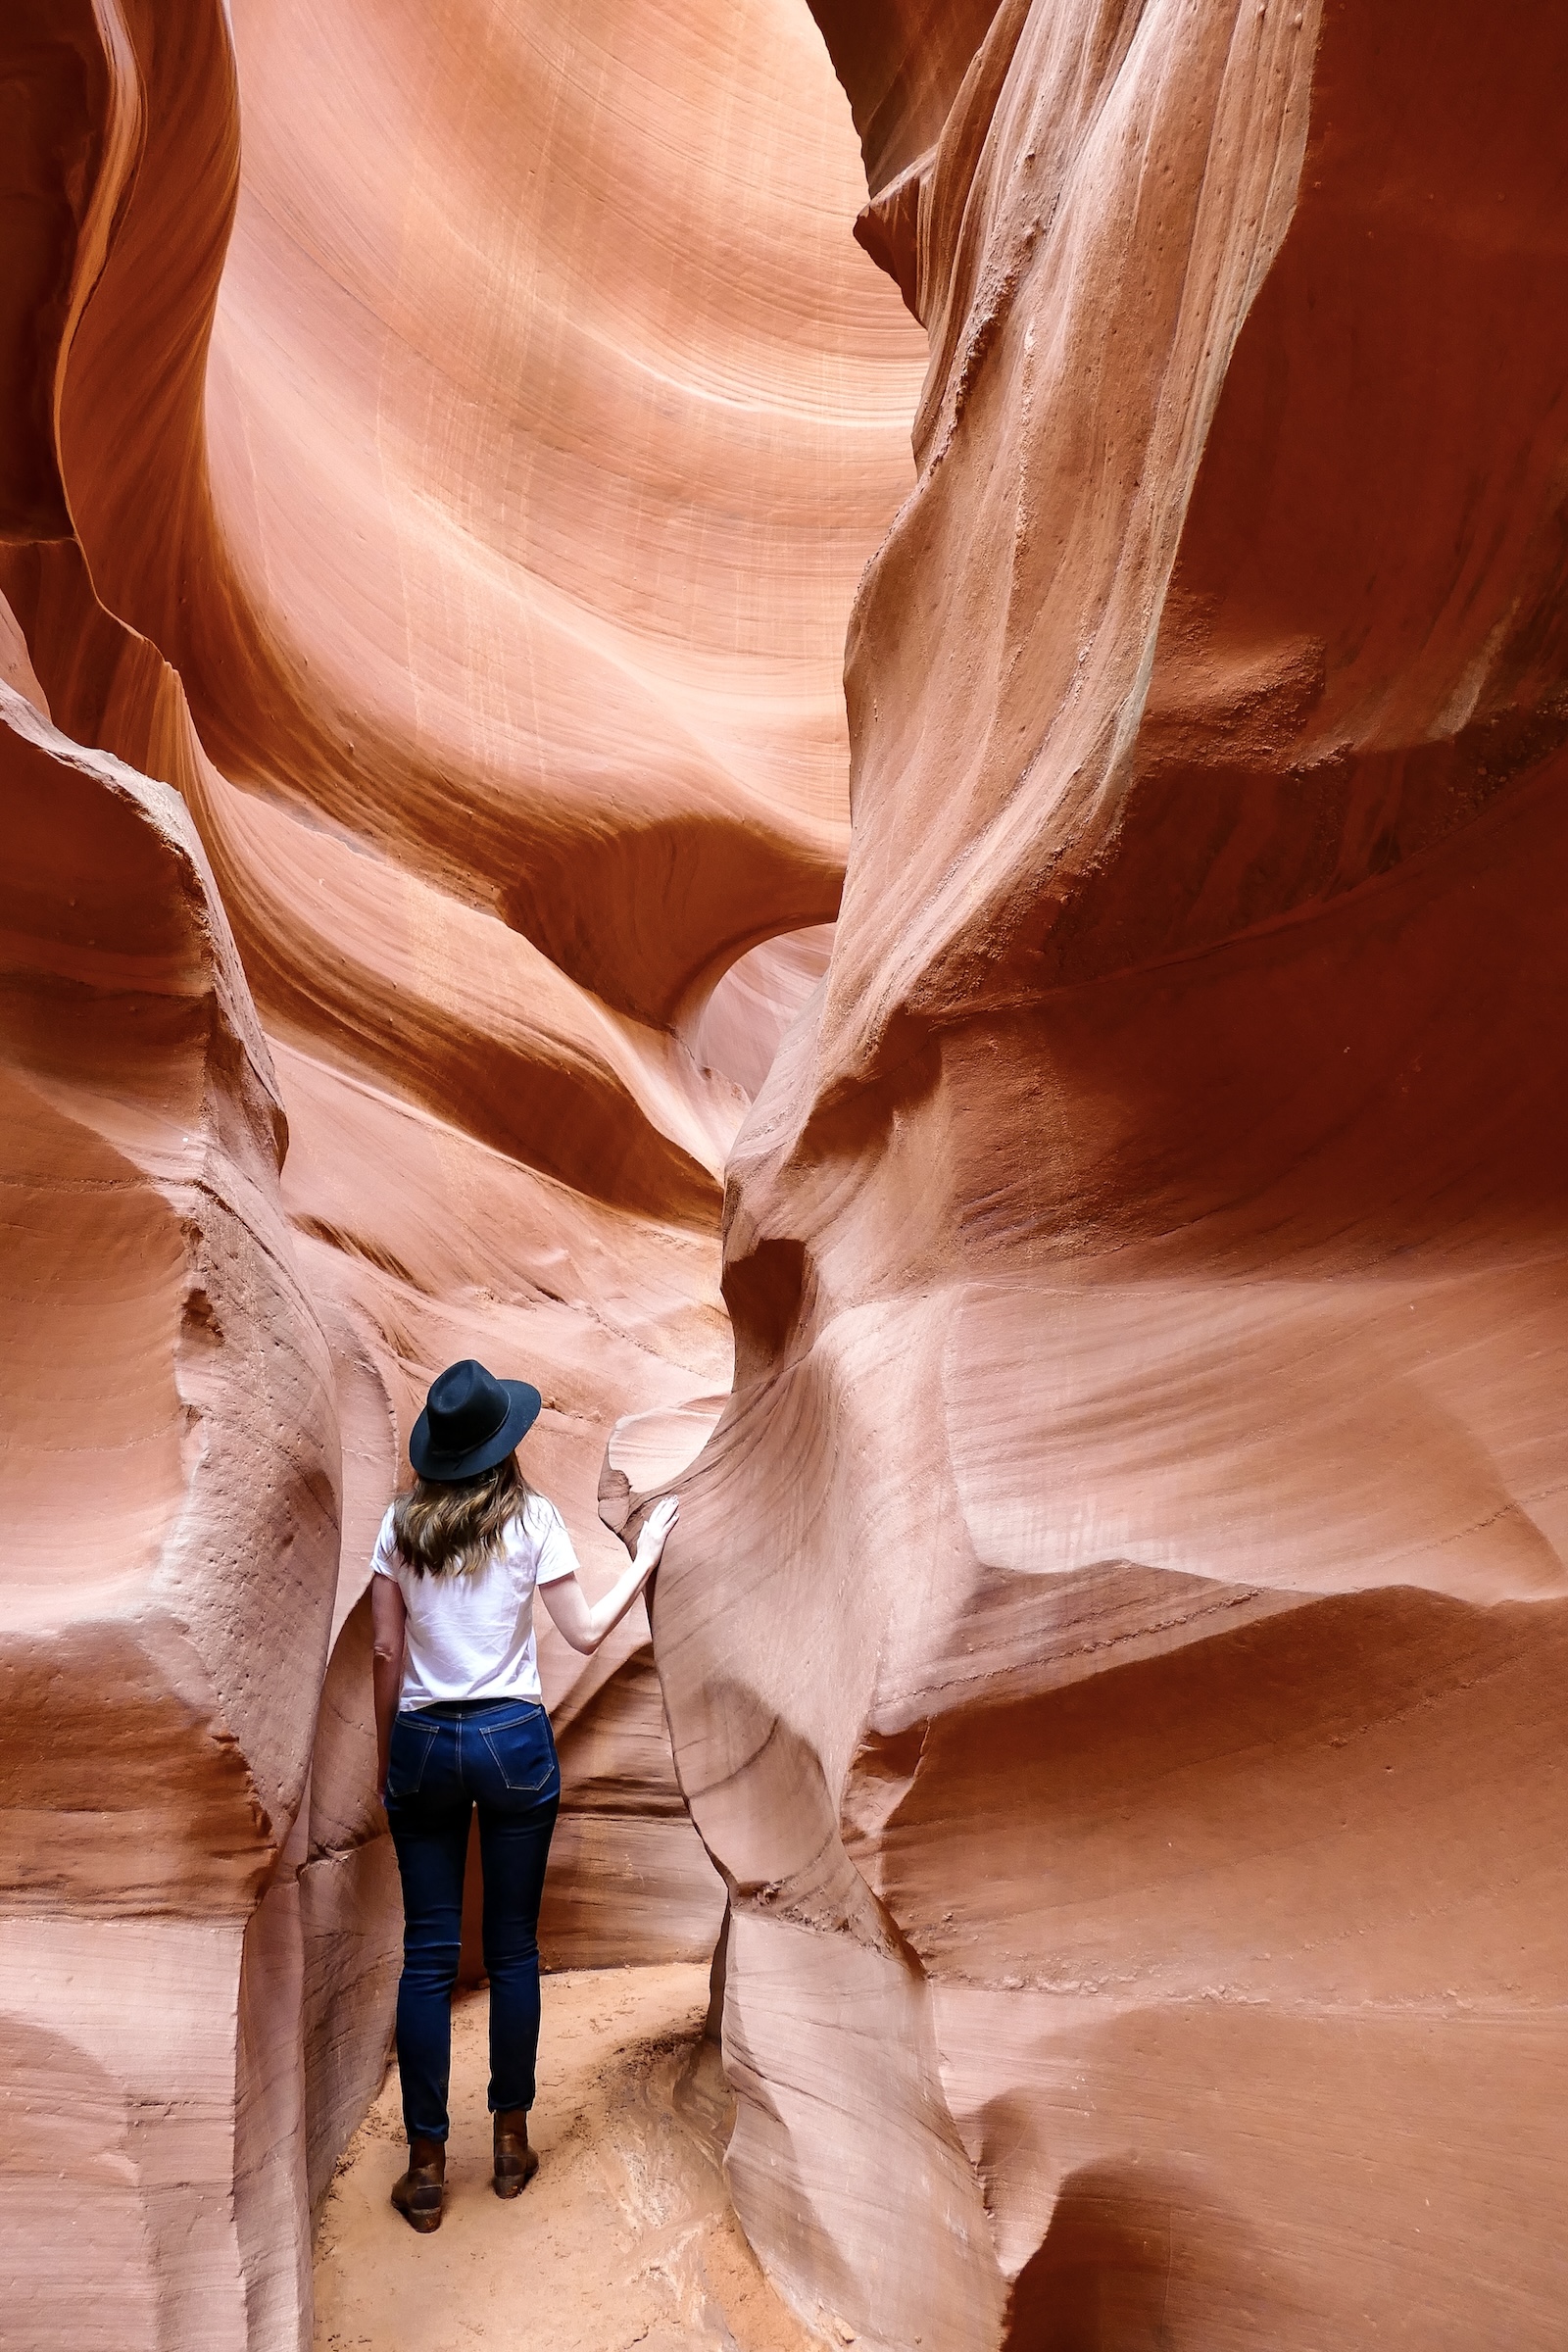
(170, 1469)
(1113, 1634)
(438, 453)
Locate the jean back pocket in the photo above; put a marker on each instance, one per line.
(523, 1753)
(408, 1757)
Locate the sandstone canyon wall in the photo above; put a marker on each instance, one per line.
(439, 447)
(1114, 1638)
(1116, 1642)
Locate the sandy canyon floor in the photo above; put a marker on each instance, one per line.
(625, 2237)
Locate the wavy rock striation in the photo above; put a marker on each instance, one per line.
(1115, 1642)
(172, 1516)
(439, 445)
(1114, 1636)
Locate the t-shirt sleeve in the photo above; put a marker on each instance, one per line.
(557, 1560)
(384, 1558)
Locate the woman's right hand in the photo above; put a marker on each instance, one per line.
(654, 1531)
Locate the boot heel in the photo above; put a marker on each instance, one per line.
(419, 2194)
(512, 2182)
(422, 2209)
(515, 2163)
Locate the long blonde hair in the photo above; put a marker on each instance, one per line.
(454, 1529)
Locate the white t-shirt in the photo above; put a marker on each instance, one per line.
(471, 1636)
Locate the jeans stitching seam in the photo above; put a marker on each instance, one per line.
(518, 1788)
(429, 1739)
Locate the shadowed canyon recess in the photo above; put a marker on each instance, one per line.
(840, 728)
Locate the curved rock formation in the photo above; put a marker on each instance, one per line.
(1114, 1642)
(171, 1506)
(438, 452)
(1114, 1633)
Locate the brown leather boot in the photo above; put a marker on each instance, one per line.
(515, 2162)
(417, 2194)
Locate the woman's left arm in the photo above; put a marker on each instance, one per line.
(388, 1618)
(585, 1623)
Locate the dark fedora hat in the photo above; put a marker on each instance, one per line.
(470, 1422)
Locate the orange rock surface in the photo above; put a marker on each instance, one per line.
(171, 1458)
(1117, 1633)
(439, 446)
(1114, 1636)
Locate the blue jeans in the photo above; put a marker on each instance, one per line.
(499, 1754)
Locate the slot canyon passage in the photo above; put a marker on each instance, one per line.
(841, 729)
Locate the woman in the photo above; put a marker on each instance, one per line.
(460, 1720)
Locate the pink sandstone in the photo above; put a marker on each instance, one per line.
(1113, 1645)
(1115, 1640)
(437, 513)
